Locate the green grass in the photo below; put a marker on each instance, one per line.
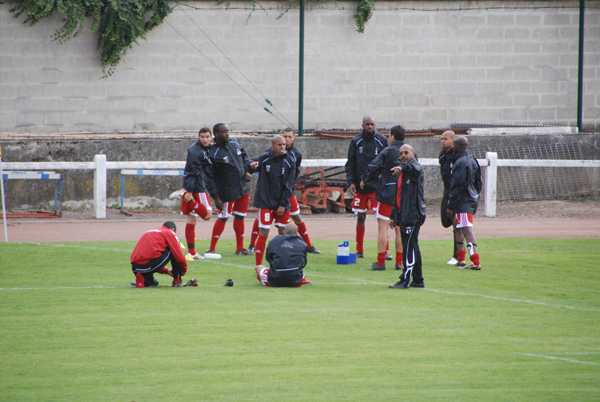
(525, 328)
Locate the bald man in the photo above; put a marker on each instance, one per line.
(275, 186)
(286, 255)
(362, 150)
(446, 159)
(463, 200)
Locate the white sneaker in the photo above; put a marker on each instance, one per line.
(452, 261)
(195, 256)
(177, 195)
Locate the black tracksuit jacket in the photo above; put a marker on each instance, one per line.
(382, 165)
(276, 180)
(463, 196)
(229, 169)
(286, 255)
(411, 210)
(361, 152)
(197, 168)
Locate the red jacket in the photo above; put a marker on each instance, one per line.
(152, 244)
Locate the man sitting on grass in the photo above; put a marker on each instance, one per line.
(153, 251)
(286, 255)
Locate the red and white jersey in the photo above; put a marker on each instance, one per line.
(152, 244)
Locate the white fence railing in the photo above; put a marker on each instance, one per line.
(100, 166)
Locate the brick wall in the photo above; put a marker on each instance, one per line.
(417, 68)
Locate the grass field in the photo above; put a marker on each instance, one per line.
(525, 328)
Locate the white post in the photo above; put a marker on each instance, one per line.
(491, 177)
(100, 180)
(3, 201)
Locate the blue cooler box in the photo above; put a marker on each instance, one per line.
(346, 259)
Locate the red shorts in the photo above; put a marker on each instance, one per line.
(359, 203)
(384, 211)
(201, 198)
(463, 220)
(237, 207)
(294, 207)
(266, 217)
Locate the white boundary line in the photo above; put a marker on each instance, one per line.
(355, 280)
(560, 358)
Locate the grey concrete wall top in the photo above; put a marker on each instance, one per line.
(420, 63)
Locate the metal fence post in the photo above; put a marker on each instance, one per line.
(100, 180)
(491, 177)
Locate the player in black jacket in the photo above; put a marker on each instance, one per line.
(463, 199)
(275, 186)
(446, 159)
(286, 255)
(362, 150)
(289, 137)
(194, 198)
(382, 166)
(229, 186)
(409, 215)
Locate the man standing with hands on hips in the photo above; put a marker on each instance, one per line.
(362, 150)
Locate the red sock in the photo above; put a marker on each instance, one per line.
(177, 280)
(387, 247)
(399, 258)
(140, 282)
(475, 259)
(254, 234)
(360, 235)
(304, 233)
(217, 231)
(238, 228)
(261, 244)
(381, 258)
(461, 255)
(190, 238)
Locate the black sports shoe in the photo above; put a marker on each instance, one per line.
(210, 251)
(461, 264)
(192, 282)
(178, 285)
(398, 267)
(360, 254)
(473, 267)
(399, 285)
(388, 256)
(251, 249)
(313, 250)
(376, 267)
(243, 252)
(417, 285)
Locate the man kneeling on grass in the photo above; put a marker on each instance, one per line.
(153, 251)
(286, 255)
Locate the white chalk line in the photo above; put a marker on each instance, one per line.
(354, 280)
(560, 358)
(513, 300)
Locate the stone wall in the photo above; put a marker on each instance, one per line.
(491, 61)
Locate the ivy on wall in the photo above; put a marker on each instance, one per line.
(364, 9)
(119, 23)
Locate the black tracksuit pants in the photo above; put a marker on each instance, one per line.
(148, 269)
(413, 267)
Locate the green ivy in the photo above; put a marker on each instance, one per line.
(120, 23)
(364, 11)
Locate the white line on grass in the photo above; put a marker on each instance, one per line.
(560, 358)
(513, 300)
(357, 282)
